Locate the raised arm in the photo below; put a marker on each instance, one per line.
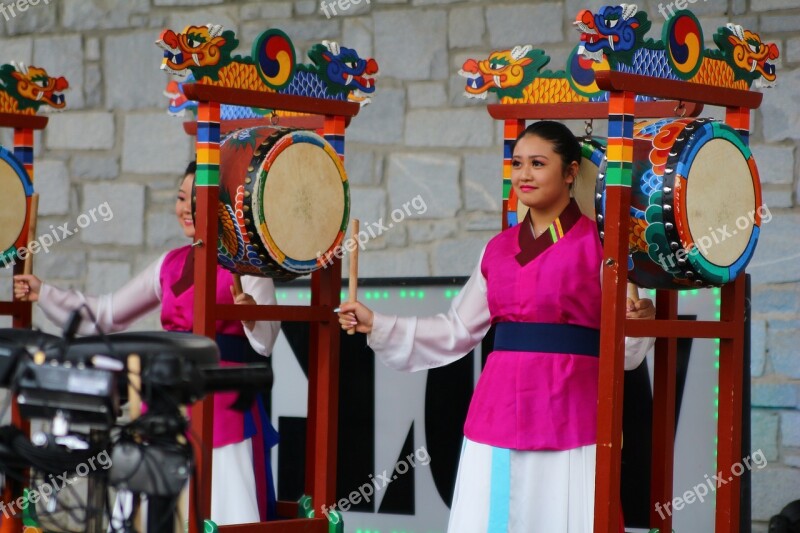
(114, 311)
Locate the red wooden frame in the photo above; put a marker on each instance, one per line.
(323, 379)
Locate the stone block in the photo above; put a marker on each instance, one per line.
(772, 263)
(185, 2)
(412, 45)
(764, 433)
(423, 231)
(773, 299)
(457, 257)
(483, 182)
(89, 130)
(91, 49)
(266, 11)
(126, 204)
(393, 263)
(59, 263)
(357, 34)
(777, 196)
(29, 16)
(772, 489)
(179, 19)
(780, 113)
(511, 25)
(93, 86)
(148, 152)
(62, 56)
(53, 185)
(363, 167)
(783, 340)
(368, 205)
(163, 231)
(758, 347)
(426, 94)
(775, 163)
(101, 14)
(790, 428)
(485, 222)
(19, 50)
(93, 167)
(459, 128)
(432, 178)
(792, 51)
(774, 395)
(305, 7)
(106, 276)
(382, 121)
(139, 83)
(466, 26)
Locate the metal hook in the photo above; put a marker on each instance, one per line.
(199, 242)
(680, 107)
(588, 129)
(274, 118)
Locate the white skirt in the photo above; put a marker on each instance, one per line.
(509, 491)
(233, 489)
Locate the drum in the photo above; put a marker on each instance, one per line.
(696, 206)
(16, 190)
(284, 202)
(583, 189)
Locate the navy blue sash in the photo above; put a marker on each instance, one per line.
(548, 338)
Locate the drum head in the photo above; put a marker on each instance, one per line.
(304, 202)
(15, 187)
(720, 202)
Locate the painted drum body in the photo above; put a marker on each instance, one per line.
(696, 208)
(16, 189)
(284, 202)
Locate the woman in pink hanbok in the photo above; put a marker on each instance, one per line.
(242, 489)
(528, 460)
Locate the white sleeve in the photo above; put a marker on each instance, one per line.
(264, 333)
(636, 348)
(115, 311)
(411, 343)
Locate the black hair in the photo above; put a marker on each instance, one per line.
(191, 168)
(564, 142)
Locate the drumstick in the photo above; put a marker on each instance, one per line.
(28, 268)
(135, 411)
(353, 279)
(237, 285)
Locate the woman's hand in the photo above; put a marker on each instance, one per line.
(27, 287)
(244, 299)
(356, 314)
(643, 308)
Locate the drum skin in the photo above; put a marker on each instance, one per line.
(16, 190)
(284, 202)
(695, 211)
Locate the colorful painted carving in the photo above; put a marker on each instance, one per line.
(614, 38)
(616, 34)
(335, 72)
(24, 90)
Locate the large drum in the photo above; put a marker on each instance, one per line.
(15, 190)
(583, 188)
(284, 202)
(695, 204)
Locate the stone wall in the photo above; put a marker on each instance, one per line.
(420, 137)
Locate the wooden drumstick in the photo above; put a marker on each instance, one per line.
(353, 278)
(237, 285)
(28, 268)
